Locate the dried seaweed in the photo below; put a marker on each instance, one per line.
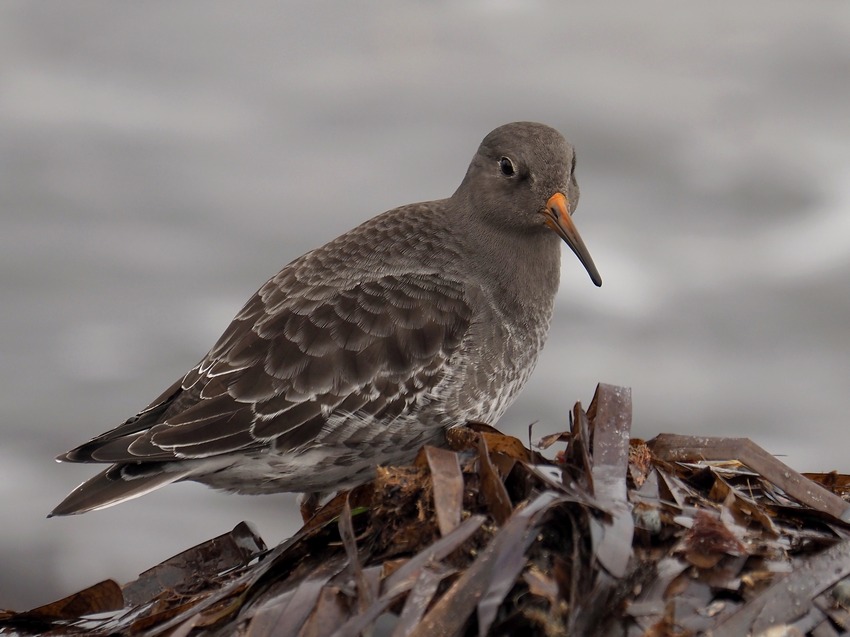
(448, 487)
(675, 536)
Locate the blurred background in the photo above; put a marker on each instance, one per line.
(159, 161)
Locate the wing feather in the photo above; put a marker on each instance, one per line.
(297, 359)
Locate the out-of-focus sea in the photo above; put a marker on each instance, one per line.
(160, 160)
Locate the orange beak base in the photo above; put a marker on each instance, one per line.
(557, 213)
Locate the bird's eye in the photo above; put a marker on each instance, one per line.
(507, 167)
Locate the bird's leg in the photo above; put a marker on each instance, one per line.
(309, 504)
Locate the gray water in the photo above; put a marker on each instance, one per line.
(160, 160)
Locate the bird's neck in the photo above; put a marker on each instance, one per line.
(523, 268)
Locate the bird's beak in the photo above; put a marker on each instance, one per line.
(557, 213)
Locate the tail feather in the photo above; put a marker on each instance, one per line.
(116, 485)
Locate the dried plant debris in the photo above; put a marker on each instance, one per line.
(675, 536)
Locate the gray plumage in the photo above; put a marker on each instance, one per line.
(359, 352)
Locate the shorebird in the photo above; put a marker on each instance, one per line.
(360, 351)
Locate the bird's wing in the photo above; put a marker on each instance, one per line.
(294, 355)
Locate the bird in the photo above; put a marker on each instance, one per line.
(361, 351)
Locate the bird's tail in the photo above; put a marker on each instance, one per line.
(117, 484)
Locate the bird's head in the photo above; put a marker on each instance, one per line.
(522, 179)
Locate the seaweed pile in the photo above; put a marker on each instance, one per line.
(612, 536)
